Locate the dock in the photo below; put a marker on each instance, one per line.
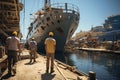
(37, 70)
(99, 50)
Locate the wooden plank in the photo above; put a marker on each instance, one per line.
(3, 58)
(60, 71)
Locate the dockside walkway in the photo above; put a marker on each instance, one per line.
(99, 50)
(36, 71)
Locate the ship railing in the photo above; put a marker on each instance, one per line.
(66, 7)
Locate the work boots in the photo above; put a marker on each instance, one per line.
(14, 70)
(47, 70)
(52, 70)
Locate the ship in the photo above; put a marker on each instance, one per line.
(60, 18)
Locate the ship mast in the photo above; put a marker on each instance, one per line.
(47, 4)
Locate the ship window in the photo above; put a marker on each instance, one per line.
(58, 21)
(38, 30)
(31, 24)
(55, 11)
(8, 13)
(36, 26)
(50, 14)
(47, 24)
(35, 20)
(60, 30)
(43, 27)
(39, 23)
(77, 18)
(43, 21)
(71, 31)
(48, 18)
(52, 22)
(73, 12)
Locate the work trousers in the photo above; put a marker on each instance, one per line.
(50, 58)
(32, 55)
(12, 60)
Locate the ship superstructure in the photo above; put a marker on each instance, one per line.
(60, 18)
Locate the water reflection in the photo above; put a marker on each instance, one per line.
(105, 65)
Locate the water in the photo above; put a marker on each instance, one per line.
(105, 65)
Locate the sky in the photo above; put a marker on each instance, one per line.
(92, 12)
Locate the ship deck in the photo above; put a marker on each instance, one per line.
(36, 71)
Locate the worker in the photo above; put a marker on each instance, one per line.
(33, 49)
(12, 49)
(50, 45)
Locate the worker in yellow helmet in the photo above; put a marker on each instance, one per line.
(33, 49)
(12, 48)
(14, 33)
(51, 34)
(50, 45)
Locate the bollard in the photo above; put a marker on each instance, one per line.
(92, 75)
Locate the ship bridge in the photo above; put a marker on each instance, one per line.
(9, 17)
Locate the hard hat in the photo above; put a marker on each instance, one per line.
(15, 33)
(51, 34)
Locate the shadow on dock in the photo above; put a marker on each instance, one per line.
(6, 76)
(47, 76)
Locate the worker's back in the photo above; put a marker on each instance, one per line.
(33, 44)
(50, 45)
(12, 43)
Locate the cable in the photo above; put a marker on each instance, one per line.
(24, 18)
(33, 5)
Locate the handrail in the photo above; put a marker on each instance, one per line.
(70, 7)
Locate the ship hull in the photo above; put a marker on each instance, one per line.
(61, 33)
(62, 24)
